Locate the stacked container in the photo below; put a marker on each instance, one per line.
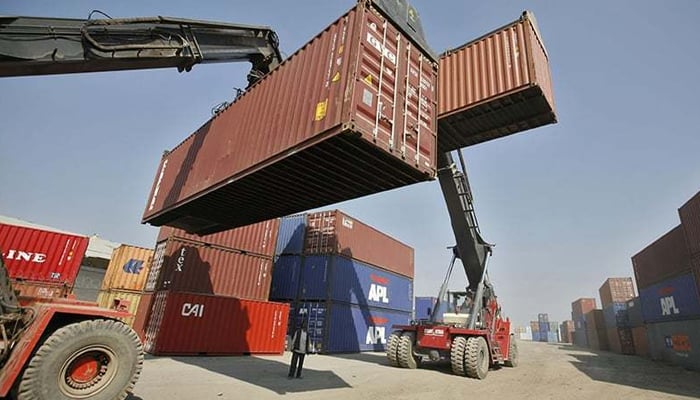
(566, 332)
(342, 271)
(553, 333)
(579, 309)
(41, 263)
(614, 294)
(208, 294)
(639, 329)
(535, 328)
(596, 331)
(125, 279)
(423, 307)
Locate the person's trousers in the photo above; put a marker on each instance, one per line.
(297, 358)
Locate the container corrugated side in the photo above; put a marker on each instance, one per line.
(143, 313)
(673, 299)
(676, 342)
(581, 338)
(292, 232)
(634, 312)
(596, 331)
(286, 274)
(39, 255)
(259, 239)
(368, 123)
(121, 300)
(40, 289)
(352, 329)
(641, 342)
(190, 324)
(581, 306)
(423, 307)
(621, 340)
(334, 232)
(690, 221)
(495, 86)
(666, 257)
(128, 268)
(341, 279)
(191, 267)
(616, 315)
(88, 283)
(616, 290)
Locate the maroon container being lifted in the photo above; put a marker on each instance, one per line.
(258, 239)
(495, 86)
(186, 266)
(666, 258)
(351, 113)
(191, 324)
(690, 221)
(333, 232)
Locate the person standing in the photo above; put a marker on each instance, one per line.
(300, 345)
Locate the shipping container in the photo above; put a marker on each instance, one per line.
(128, 268)
(553, 326)
(596, 331)
(544, 331)
(553, 336)
(334, 232)
(343, 328)
(191, 324)
(495, 86)
(292, 232)
(143, 313)
(258, 239)
(676, 342)
(543, 318)
(581, 338)
(39, 255)
(366, 123)
(616, 315)
(690, 221)
(634, 312)
(566, 332)
(581, 307)
(286, 277)
(123, 300)
(616, 290)
(665, 258)
(191, 267)
(424, 306)
(641, 343)
(88, 283)
(40, 289)
(332, 277)
(621, 340)
(673, 299)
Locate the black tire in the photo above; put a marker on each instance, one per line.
(392, 349)
(405, 352)
(96, 359)
(513, 354)
(459, 345)
(476, 357)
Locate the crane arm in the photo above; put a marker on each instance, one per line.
(42, 46)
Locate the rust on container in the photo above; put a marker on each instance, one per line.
(259, 238)
(40, 255)
(40, 289)
(122, 300)
(186, 324)
(333, 232)
(690, 221)
(128, 268)
(186, 266)
(665, 258)
(616, 290)
(495, 86)
(365, 122)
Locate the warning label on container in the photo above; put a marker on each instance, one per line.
(367, 97)
(336, 77)
(321, 109)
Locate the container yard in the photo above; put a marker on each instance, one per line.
(242, 264)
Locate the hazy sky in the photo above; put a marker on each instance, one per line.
(567, 205)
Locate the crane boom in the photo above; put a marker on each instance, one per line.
(43, 46)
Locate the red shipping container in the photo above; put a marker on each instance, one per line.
(40, 289)
(363, 120)
(494, 86)
(38, 255)
(333, 232)
(193, 267)
(581, 307)
(259, 238)
(616, 290)
(185, 323)
(143, 312)
(666, 258)
(690, 221)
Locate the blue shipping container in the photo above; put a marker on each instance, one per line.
(581, 338)
(553, 337)
(544, 327)
(342, 279)
(542, 317)
(553, 326)
(285, 277)
(290, 239)
(616, 315)
(671, 300)
(424, 306)
(634, 312)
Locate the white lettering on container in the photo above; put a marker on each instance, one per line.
(668, 306)
(192, 310)
(376, 335)
(378, 293)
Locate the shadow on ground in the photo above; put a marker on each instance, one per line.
(634, 371)
(268, 374)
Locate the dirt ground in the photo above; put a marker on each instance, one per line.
(546, 371)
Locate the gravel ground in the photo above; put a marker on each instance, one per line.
(546, 371)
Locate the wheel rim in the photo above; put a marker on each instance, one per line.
(87, 372)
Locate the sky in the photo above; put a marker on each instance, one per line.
(567, 205)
